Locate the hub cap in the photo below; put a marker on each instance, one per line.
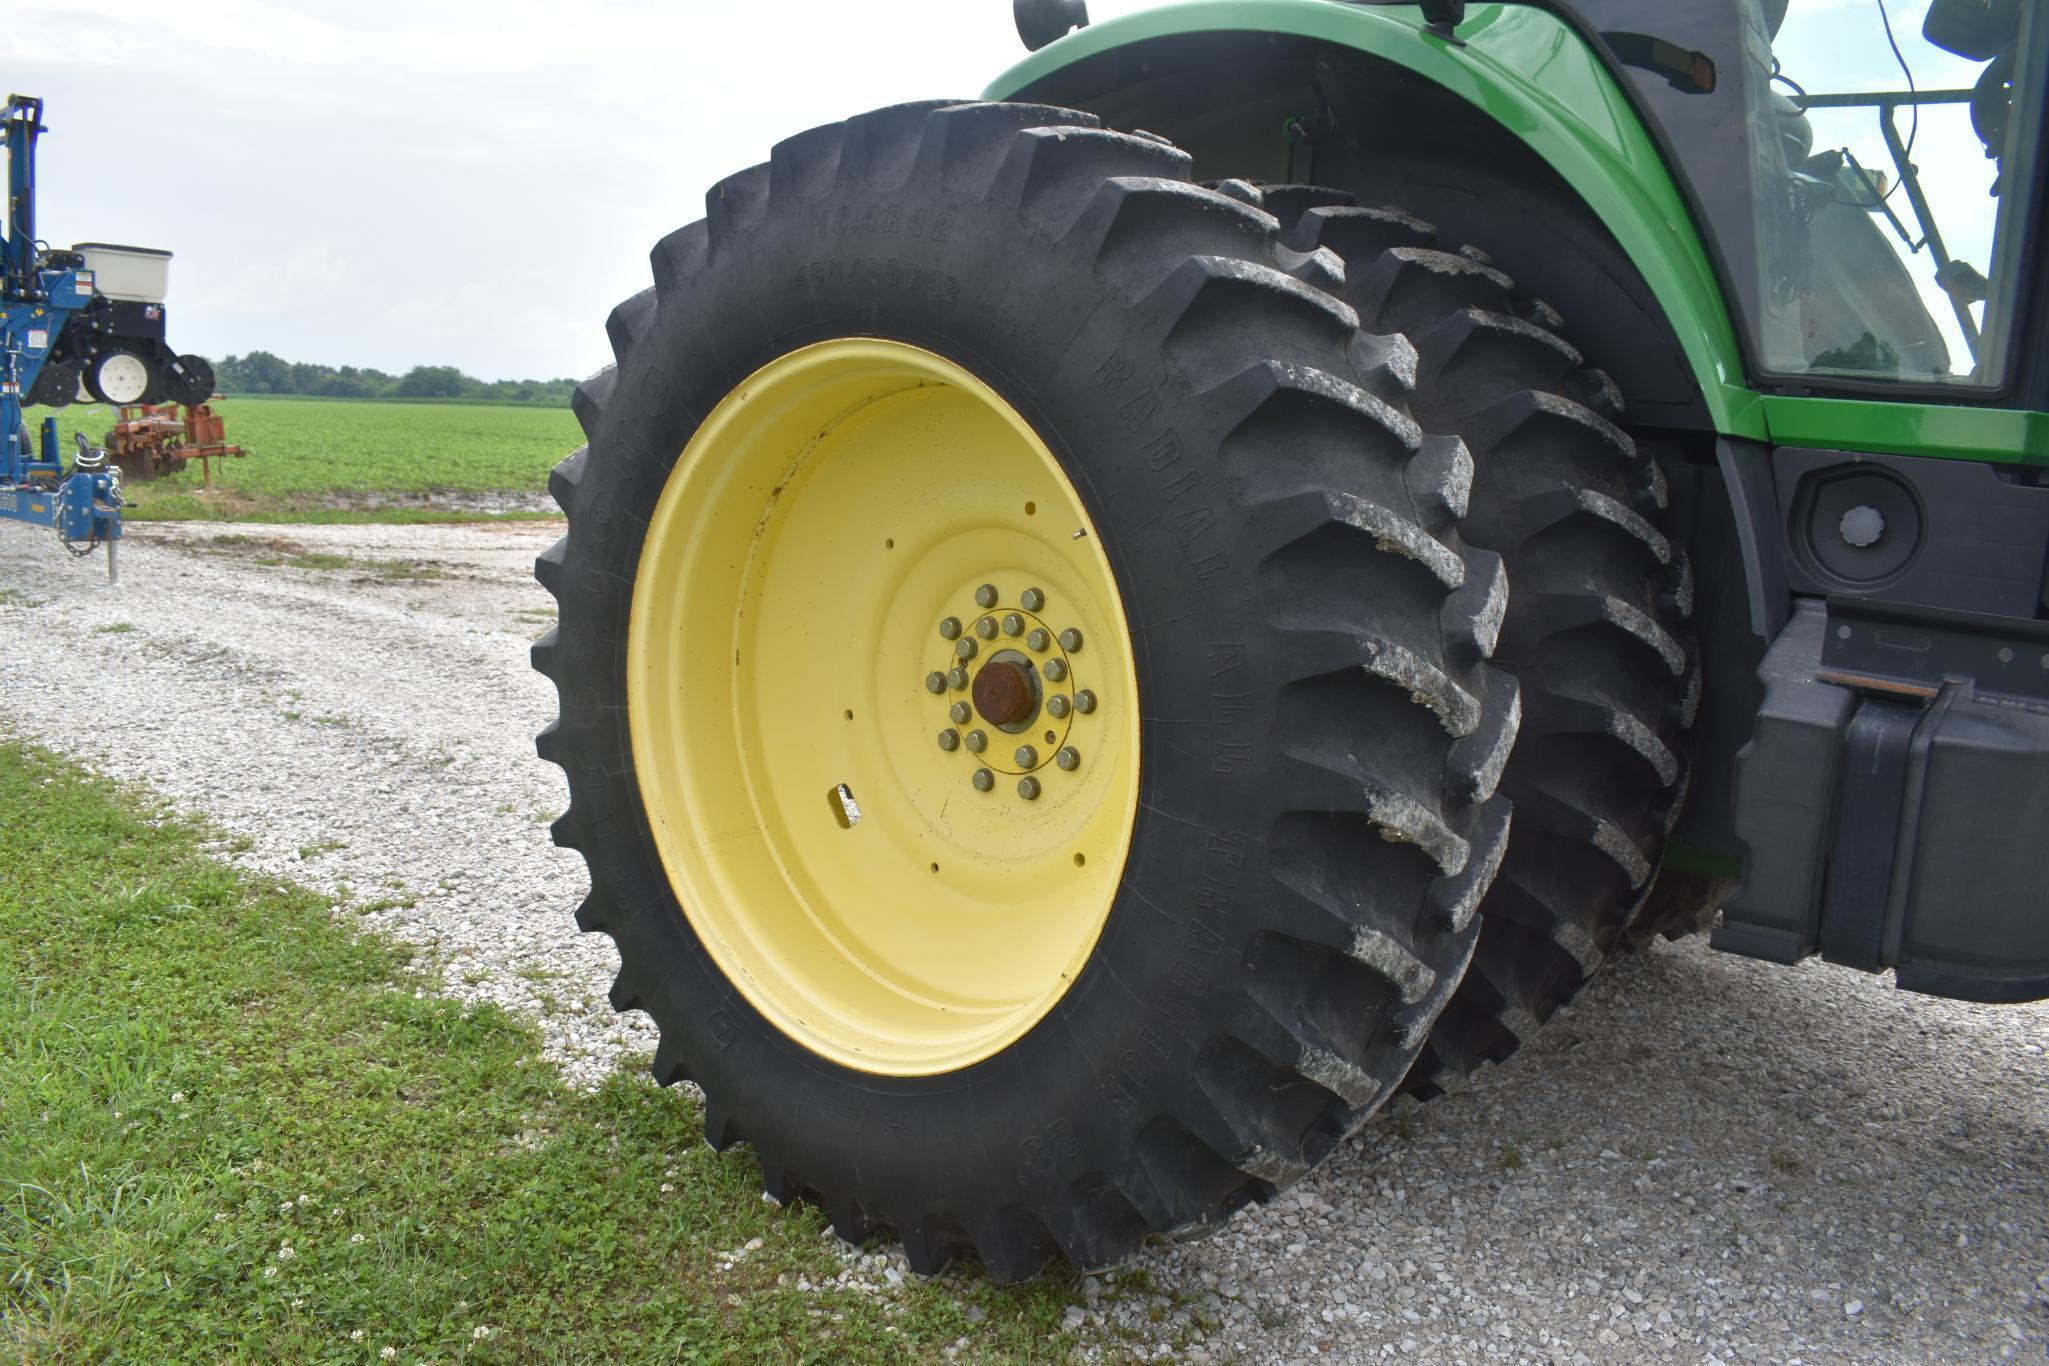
(883, 707)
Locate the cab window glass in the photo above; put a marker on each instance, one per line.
(1891, 147)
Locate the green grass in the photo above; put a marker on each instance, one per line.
(336, 460)
(230, 1129)
(180, 507)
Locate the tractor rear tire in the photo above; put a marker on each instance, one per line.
(1596, 630)
(803, 489)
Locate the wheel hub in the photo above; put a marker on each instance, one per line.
(1030, 693)
(1006, 693)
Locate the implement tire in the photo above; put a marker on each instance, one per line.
(924, 372)
(1596, 630)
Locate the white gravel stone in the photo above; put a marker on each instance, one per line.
(1721, 1160)
(357, 730)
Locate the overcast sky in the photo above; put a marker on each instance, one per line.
(434, 182)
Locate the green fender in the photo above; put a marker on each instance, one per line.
(1534, 76)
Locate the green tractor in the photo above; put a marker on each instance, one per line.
(1106, 631)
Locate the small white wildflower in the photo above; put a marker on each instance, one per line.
(305, 1199)
(298, 1304)
(269, 1273)
(355, 1238)
(667, 1188)
(480, 1332)
(285, 1253)
(177, 1097)
(356, 1335)
(218, 1217)
(117, 1114)
(389, 1354)
(285, 1208)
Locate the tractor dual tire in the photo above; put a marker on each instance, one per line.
(1596, 631)
(1279, 589)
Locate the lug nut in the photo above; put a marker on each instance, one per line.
(985, 596)
(1070, 640)
(977, 742)
(1027, 757)
(1084, 701)
(956, 678)
(935, 682)
(1028, 788)
(964, 648)
(986, 628)
(1068, 758)
(1056, 669)
(1038, 639)
(1057, 705)
(949, 739)
(950, 628)
(984, 780)
(1013, 624)
(1031, 599)
(961, 713)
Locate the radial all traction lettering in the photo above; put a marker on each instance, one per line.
(1174, 1012)
(1023, 687)
(879, 220)
(1161, 451)
(892, 271)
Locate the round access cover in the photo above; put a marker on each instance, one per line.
(1862, 525)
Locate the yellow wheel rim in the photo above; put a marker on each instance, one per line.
(884, 876)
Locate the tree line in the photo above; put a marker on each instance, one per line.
(260, 372)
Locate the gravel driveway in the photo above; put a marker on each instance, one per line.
(1706, 1159)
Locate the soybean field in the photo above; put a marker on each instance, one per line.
(337, 460)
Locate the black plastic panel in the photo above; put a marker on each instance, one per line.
(1915, 650)
(1975, 918)
(1785, 799)
(1971, 539)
